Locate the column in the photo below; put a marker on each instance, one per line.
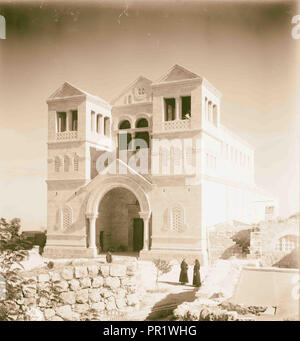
(69, 120)
(92, 232)
(177, 108)
(146, 217)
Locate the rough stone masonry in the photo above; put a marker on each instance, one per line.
(79, 292)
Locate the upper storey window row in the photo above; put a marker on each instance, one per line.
(67, 121)
(100, 124)
(210, 112)
(237, 157)
(177, 108)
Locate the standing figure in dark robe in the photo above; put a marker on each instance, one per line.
(196, 275)
(108, 257)
(183, 278)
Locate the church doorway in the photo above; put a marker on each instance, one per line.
(138, 234)
(118, 226)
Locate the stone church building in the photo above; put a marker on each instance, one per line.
(149, 172)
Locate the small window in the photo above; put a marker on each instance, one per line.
(129, 99)
(287, 243)
(66, 163)
(93, 121)
(169, 109)
(186, 107)
(61, 121)
(99, 123)
(215, 115)
(74, 120)
(106, 126)
(76, 163)
(57, 164)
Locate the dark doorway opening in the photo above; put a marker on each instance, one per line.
(138, 234)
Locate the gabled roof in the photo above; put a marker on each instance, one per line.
(176, 73)
(69, 90)
(131, 85)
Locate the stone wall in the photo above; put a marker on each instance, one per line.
(263, 241)
(221, 245)
(82, 292)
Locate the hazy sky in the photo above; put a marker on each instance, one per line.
(244, 49)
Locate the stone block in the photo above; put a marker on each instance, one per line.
(95, 295)
(65, 312)
(132, 300)
(55, 277)
(117, 270)
(82, 296)
(120, 303)
(112, 282)
(74, 284)
(56, 318)
(68, 297)
(49, 313)
(43, 278)
(81, 271)
(81, 308)
(93, 270)
(110, 304)
(61, 286)
(85, 282)
(99, 306)
(104, 270)
(97, 282)
(67, 273)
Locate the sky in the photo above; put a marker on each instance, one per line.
(244, 49)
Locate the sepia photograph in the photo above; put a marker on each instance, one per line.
(149, 163)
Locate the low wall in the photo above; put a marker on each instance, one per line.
(269, 287)
(80, 292)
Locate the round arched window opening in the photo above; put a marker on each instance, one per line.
(142, 123)
(125, 125)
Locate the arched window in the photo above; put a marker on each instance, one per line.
(66, 163)
(67, 217)
(124, 138)
(124, 125)
(287, 243)
(142, 135)
(57, 164)
(142, 123)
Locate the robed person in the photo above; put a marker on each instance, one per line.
(183, 278)
(196, 274)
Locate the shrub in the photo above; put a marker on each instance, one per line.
(162, 267)
(242, 239)
(13, 249)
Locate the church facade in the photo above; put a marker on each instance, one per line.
(149, 172)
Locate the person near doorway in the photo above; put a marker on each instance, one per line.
(183, 277)
(108, 257)
(196, 274)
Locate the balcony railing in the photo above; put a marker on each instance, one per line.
(66, 135)
(177, 125)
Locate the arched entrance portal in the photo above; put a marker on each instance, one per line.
(137, 186)
(119, 227)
